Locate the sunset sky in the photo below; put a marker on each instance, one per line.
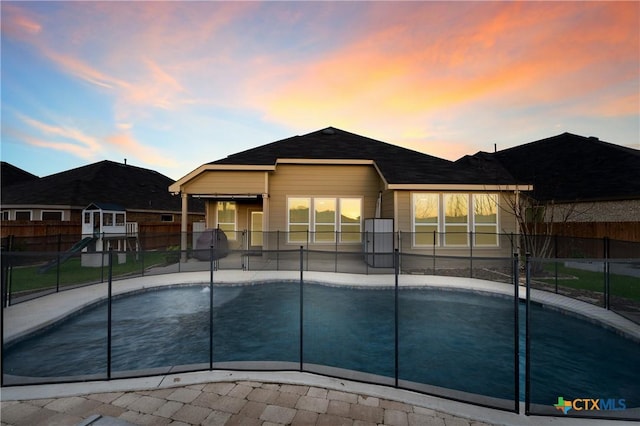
(172, 85)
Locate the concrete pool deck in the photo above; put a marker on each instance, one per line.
(248, 398)
(133, 399)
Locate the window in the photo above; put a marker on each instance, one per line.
(329, 215)
(5, 215)
(23, 215)
(51, 215)
(350, 220)
(227, 218)
(456, 219)
(299, 219)
(87, 217)
(325, 219)
(108, 219)
(425, 219)
(485, 219)
(120, 219)
(166, 218)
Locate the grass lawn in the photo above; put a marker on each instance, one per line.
(72, 273)
(620, 285)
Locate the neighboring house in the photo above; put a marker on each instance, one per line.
(61, 197)
(575, 180)
(319, 189)
(11, 174)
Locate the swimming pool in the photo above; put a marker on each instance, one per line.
(460, 341)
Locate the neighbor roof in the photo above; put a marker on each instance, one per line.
(570, 167)
(101, 182)
(398, 165)
(12, 174)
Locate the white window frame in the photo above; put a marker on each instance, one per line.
(15, 214)
(437, 195)
(339, 221)
(312, 224)
(309, 218)
(330, 239)
(496, 197)
(42, 212)
(231, 237)
(445, 198)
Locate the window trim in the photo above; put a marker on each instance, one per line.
(413, 218)
(308, 223)
(496, 224)
(232, 237)
(442, 224)
(15, 214)
(42, 212)
(311, 224)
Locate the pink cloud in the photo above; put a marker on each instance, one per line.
(126, 144)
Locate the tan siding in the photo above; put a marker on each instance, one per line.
(227, 182)
(404, 211)
(320, 180)
(387, 204)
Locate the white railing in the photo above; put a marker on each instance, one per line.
(131, 229)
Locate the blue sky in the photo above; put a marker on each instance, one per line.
(172, 85)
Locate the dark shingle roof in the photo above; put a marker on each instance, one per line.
(569, 167)
(104, 181)
(12, 174)
(398, 165)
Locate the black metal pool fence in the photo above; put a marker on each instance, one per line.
(611, 284)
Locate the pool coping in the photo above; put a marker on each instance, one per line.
(27, 317)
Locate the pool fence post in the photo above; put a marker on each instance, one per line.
(607, 276)
(109, 307)
(301, 309)
(58, 263)
(516, 332)
(434, 252)
(470, 254)
(527, 365)
(211, 307)
(396, 265)
(555, 249)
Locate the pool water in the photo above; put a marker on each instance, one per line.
(452, 339)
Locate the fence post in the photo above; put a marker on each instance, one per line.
(516, 331)
(555, 248)
(109, 308)
(396, 271)
(607, 275)
(301, 308)
(470, 254)
(58, 263)
(527, 364)
(434, 252)
(337, 235)
(211, 307)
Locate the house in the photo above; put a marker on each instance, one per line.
(582, 186)
(63, 196)
(53, 205)
(320, 189)
(11, 174)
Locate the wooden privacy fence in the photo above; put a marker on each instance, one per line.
(623, 231)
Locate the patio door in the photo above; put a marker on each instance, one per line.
(256, 229)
